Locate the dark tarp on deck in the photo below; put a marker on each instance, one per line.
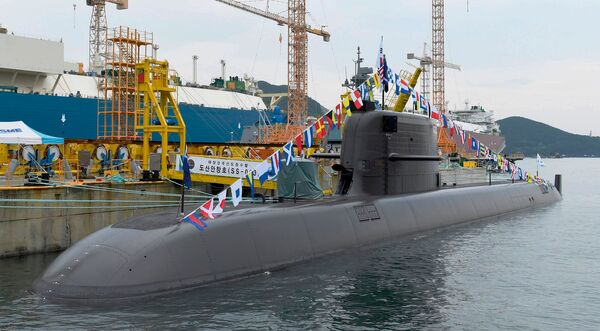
(304, 174)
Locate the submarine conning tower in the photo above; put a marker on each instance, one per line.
(388, 153)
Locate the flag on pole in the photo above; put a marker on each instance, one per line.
(444, 121)
(474, 144)
(195, 221)
(207, 209)
(250, 180)
(356, 99)
(397, 82)
(461, 133)
(540, 162)
(288, 152)
(185, 166)
(236, 192)
(220, 206)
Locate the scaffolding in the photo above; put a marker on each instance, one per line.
(125, 47)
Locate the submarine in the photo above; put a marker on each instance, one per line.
(389, 188)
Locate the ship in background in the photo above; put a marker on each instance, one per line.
(58, 97)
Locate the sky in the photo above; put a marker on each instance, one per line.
(538, 59)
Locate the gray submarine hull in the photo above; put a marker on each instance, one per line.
(156, 254)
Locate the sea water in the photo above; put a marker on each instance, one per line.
(534, 269)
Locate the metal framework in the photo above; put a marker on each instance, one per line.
(116, 107)
(156, 109)
(437, 51)
(297, 67)
(98, 31)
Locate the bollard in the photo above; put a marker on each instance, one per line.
(558, 183)
(490, 174)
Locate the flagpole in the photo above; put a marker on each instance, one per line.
(182, 197)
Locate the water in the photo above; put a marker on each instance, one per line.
(529, 270)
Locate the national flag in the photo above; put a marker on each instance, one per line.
(262, 171)
(435, 113)
(451, 126)
(220, 206)
(397, 82)
(250, 180)
(308, 137)
(444, 121)
(274, 164)
(356, 99)
(288, 152)
(481, 149)
(461, 133)
(298, 141)
(474, 144)
(379, 60)
(540, 162)
(187, 176)
(207, 209)
(236, 191)
(383, 73)
(195, 221)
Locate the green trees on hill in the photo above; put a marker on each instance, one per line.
(531, 137)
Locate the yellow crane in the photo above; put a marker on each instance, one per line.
(99, 30)
(298, 32)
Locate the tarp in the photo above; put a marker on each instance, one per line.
(19, 133)
(302, 173)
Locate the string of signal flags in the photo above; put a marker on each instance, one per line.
(268, 169)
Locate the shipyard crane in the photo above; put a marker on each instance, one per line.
(437, 52)
(98, 31)
(298, 32)
(425, 61)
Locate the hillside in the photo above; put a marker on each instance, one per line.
(531, 137)
(314, 108)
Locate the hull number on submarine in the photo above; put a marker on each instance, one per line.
(366, 213)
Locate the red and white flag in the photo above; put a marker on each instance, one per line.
(356, 99)
(218, 209)
(207, 209)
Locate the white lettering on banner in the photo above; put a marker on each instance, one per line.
(219, 167)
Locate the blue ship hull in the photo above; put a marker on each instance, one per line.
(44, 112)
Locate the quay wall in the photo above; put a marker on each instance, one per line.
(40, 227)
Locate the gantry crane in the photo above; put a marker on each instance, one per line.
(425, 61)
(98, 31)
(297, 65)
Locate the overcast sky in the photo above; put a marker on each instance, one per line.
(536, 58)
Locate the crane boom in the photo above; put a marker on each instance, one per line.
(274, 17)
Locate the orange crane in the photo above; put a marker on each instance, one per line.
(99, 30)
(298, 32)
